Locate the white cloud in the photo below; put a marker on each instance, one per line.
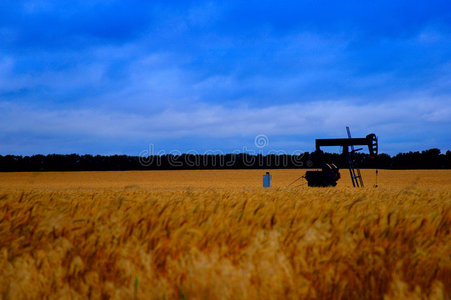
(326, 118)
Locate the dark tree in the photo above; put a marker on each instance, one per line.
(428, 159)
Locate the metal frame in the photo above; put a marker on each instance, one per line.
(370, 141)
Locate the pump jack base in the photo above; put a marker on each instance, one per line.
(328, 176)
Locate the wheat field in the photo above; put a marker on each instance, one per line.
(219, 235)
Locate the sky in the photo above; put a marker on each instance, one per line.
(132, 77)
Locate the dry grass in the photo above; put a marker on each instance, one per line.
(207, 240)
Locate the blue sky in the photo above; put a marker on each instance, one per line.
(113, 77)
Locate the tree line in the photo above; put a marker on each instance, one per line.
(428, 159)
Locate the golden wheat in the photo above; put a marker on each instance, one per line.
(223, 243)
(201, 179)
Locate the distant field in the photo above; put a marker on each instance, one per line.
(210, 179)
(220, 235)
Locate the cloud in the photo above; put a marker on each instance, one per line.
(407, 118)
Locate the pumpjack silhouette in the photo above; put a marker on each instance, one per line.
(330, 174)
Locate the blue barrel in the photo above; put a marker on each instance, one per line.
(267, 180)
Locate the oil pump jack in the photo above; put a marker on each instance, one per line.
(329, 174)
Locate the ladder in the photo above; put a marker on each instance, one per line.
(356, 177)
